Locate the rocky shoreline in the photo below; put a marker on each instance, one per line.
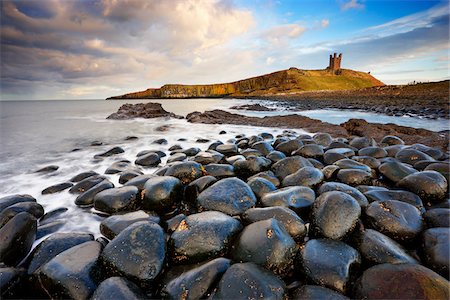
(348, 212)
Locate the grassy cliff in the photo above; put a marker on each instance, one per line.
(288, 81)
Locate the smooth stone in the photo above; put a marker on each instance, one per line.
(116, 199)
(316, 164)
(289, 146)
(368, 188)
(435, 153)
(47, 169)
(335, 215)
(13, 199)
(250, 152)
(250, 281)
(232, 159)
(139, 181)
(175, 147)
(369, 161)
(251, 166)
(227, 149)
(177, 157)
(160, 142)
(70, 274)
(437, 217)
(275, 156)
(111, 152)
(428, 185)
(87, 198)
(310, 151)
(219, 171)
(16, 238)
(297, 198)
(117, 288)
(377, 248)
(54, 245)
(306, 176)
(330, 171)
(398, 220)
(291, 221)
(127, 175)
(86, 184)
(52, 215)
(113, 225)
(342, 187)
(49, 228)
(332, 155)
(56, 188)
(162, 192)
(197, 186)
(330, 263)
(404, 196)
(138, 253)
(375, 152)
(323, 139)
(315, 292)
(196, 282)
(410, 156)
(148, 160)
(266, 243)
(191, 151)
(118, 167)
(347, 163)
(230, 195)
(393, 150)
(202, 236)
(289, 165)
(186, 171)
(261, 186)
(392, 140)
(441, 167)
(144, 152)
(206, 158)
(395, 171)
(341, 144)
(33, 208)
(401, 281)
(11, 282)
(173, 223)
(354, 177)
(263, 147)
(436, 250)
(269, 175)
(362, 142)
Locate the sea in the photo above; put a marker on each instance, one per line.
(35, 134)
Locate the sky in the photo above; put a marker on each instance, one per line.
(93, 49)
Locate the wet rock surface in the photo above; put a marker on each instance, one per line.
(141, 110)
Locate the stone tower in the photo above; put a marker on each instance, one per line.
(335, 63)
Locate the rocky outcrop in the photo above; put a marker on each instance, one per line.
(141, 110)
(253, 107)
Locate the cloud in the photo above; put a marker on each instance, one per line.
(351, 4)
(282, 33)
(324, 23)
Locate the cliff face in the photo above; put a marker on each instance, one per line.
(281, 82)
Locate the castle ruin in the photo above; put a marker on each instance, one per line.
(335, 63)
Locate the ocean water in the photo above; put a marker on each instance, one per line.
(34, 134)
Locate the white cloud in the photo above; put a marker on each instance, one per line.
(352, 4)
(270, 60)
(281, 33)
(324, 23)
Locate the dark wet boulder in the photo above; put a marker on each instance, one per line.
(275, 156)
(428, 185)
(372, 151)
(251, 166)
(139, 181)
(404, 196)
(435, 153)
(202, 236)
(49, 228)
(269, 175)
(86, 184)
(177, 157)
(113, 225)
(116, 199)
(162, 192)
(148, 160)
(227, 149)
(172, 224)
(118, 167)
(437, 217)
(118, 288)
(410, 156)
(369, 161)
(138, 253)
(323, 139)
(392, 140)
(13, 199)
(191, 151)
(401, 281)
(315, 292)
(354, 177)
(16, 238)
(11, 282)
(231, 196)
(441, 167)
(83, 175)
(250, 281)
(330, 263)
(160, 141)
(56, 188)
(306, 176)
(87, 198)
(144, 152)
(369, 188)
(310, 151)
(111, 152)
(220, 171)
(52, 215)
(395, 171)
(436, 250)
(289, 146)
(398, 220)
(330, 171)
(297, 198)
(47, 169)
(195, 282)
(54, 245)
(197, 186)
(261, 186)
(332, 155)
(232, 159)
(291, 221)
(342, 187)
(266, 243)
(393, 150)
(70, 274)
(127, 175)
(347, 163)
(206, 158)
(33, 208)
(377, 248)
(362, 142)
(289, 165)
(251, 152)
(186, 171)
(335, 215)
(175, 147)
(263, 147)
